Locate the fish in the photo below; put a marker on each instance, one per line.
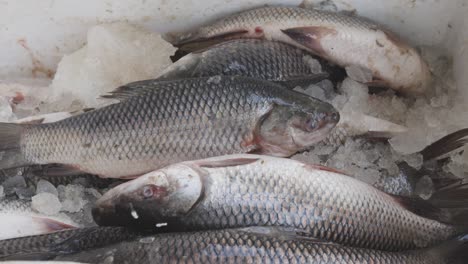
(268, 60)
(342, 39)
(17, 219)
(244, 190)
(157, 123)
(48, 246)
(258, 245)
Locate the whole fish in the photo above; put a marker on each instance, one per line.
(48, 246)
(267, 60)
(342, 39)
(161, 122)
(253, 246)
(245, 190)
(17, 219)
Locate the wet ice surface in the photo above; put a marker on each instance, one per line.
(119, 53)
(427, 117)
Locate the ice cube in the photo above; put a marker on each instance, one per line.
(93, 192)
(6, 112)
(328, 89)
(424, 187)
(357, 94)
(46, 203)
(415, 160)
(359, 74)
(12, 183)
(72, 197)
(115, 54)
(45, 186)
(316, 92)
(25, 193)
(314, 65)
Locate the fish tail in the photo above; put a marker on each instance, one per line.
(10, 148)
(454, 251)
(447, 205)
(445, 145)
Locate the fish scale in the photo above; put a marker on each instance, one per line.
(240, 246)
(97, 127)
(338, 38)
(286, 16)
(161, 122)
(269, 191)
(268, 60)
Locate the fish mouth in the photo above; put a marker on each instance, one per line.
(113, 215)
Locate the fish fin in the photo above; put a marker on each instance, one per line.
(447, 205)
(197, 43)
(131, 89)
(225, 162)
(453, 196)
(421, 207)
(10, 148)
(445, 145)
(31, 122)
(52, 225)
(55, 170)
(305, 80)
(454, 251)
(309, 37)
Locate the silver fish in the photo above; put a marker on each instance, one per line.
(258, 245)
(267, 60)
(161, 122)
(50, 245)
(342, 39)
(244, 190)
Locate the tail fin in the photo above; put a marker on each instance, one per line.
(10, 150)
(448, 205)
(445, 145)
(454, 251)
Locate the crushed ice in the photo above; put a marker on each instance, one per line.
(130, 54)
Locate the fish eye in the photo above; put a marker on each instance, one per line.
(148, 191)
(152, 191)
(311, 124)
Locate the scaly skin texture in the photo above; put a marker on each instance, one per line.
(345, 40)
(63, 242)
(165, 122)
(269, 191)
(268, 60)
(237, 246)
(330, 206)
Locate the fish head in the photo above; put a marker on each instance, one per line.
(289, 128)
(158, 197)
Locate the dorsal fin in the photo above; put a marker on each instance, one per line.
(131, 89)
